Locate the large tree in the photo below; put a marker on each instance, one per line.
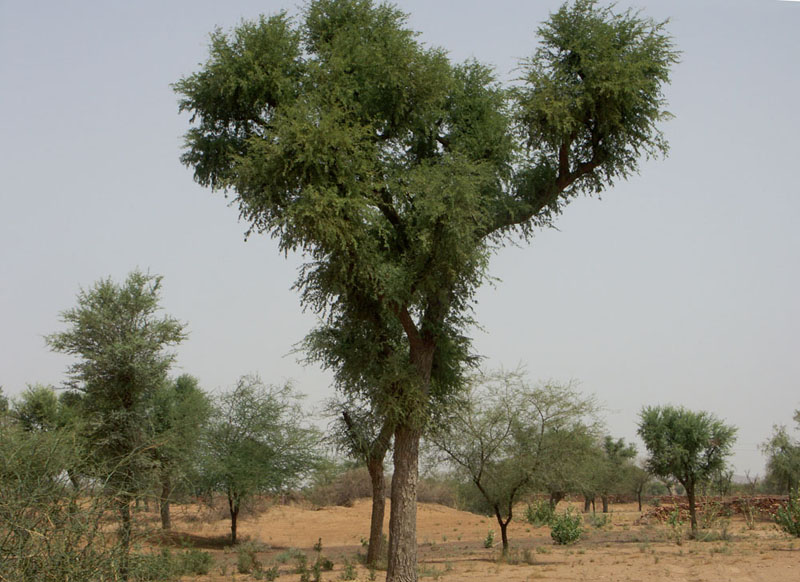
(120, 342)
(396, 171)
(685, 445)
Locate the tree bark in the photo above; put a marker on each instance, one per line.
(233, 506)
(125, 529)
(504, 536)
(692, 508)
(163, 502)
(375, 468)
(604, 499)
(403, 516)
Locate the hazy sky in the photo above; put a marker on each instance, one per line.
(679, 286)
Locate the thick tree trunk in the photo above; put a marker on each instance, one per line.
(555, 497)
(375, 468)
(233, 506)
(604, 499)
(403, 516)
(588, 503)
(163, 502)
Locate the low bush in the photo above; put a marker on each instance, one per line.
(566, 528)
(787, 517)
(539, 513)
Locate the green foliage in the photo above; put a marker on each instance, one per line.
(788, 516)
(349, 571)
(539, 513)
(247, 558)
(50, 531)
(566, 528)
(783, 461)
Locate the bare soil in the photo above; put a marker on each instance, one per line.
(451, 545)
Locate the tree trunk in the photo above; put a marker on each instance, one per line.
(233, 506)
(555, 497)
(125, 528)
(375, 468)
(604, 499)
(166, 493)
(504, 536)
(639, 499)
(588, 503)
(692, 509)
(403, 517)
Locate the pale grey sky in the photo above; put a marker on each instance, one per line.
(679, 286)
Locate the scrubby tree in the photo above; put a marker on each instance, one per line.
(120, 343)
(37, 408)
(510, 436)
(256, 443)
(613, 467)
(783, 461)
(178, 415)
(685, 445)
(397, 172)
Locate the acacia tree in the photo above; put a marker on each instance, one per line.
(120, 344)
(783, 461)
(687, 446)
(614, 467)
(396, 171)
(256, 443)
(178, 415)
(508, 436)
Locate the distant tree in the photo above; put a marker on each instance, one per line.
(37, 408)
(510, 435)
(3, 403)
(639, 478)
(179, 413)
(783, 461)
(256, 443)
(398, 172)
(614, 467)
(688, 446)
(120, 344)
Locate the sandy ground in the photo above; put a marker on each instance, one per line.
(452, 548)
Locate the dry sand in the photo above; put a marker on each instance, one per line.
(452, 548)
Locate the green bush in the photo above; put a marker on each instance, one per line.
(788, 516)
(566, 528)
(539, 513)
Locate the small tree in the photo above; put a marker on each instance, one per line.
(614, 467)
(783, 461)
(256, 443)
(179, 413)
(509, 433)
(688, 446)
(119, 342)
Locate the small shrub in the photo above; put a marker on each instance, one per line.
(539, 514)
(349, 571)
(270, 574)
(676, 526)
(566, 528)
(246, 559)
(194, 562)
(787, 517)
(489, 541)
